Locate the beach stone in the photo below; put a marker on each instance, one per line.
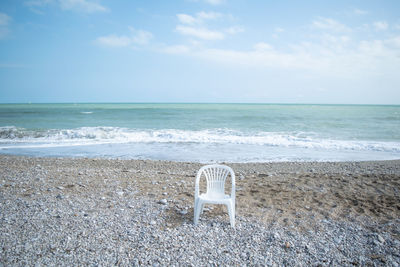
(163, 201)
(381, 239)
(277, 236)
(337, 239)
(183, 212)
(152, 222)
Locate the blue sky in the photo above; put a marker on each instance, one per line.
(200, 51)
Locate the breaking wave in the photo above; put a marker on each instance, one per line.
(12, 135)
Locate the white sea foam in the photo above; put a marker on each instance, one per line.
(12, 136)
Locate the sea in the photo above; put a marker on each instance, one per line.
(202, 132)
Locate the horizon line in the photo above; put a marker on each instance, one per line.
(167, 102)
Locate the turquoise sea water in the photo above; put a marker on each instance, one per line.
(202, 132)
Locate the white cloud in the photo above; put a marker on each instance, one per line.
(211, 2)
(393, 42)
(137, 37)
(4, 32)
(4, 23)
(186, 19)
(258, 57)
(234, 30)
(335, 52)
(199, 18)
(277, 32)
(84, 6)
(334, 42)
(140, 37)
(215, 2)
(330, 24)
(4, 19)
(208, 15)
(114, 40)
(195, 26)
(38, 3)
(360, 12)
(380, 25)
(338, 57)
(202, 33)
(176, 49)
(262, 46)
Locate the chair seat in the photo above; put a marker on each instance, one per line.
(215, 198)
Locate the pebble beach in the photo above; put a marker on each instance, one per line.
(106, 212)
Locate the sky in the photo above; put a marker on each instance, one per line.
(328, 52)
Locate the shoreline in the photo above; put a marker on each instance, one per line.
(200, 162)
(277, 202)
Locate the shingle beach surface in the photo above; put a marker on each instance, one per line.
(100, 212)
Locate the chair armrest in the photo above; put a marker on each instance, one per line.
(197, 183)
(233, 189)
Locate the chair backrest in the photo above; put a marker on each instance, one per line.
(216, 176)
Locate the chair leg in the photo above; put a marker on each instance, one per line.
(194, 210)
(197, 211)
(234, 213)
(201, 208)
(231, 211)
(233, 216)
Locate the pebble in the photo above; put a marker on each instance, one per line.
(277, 236)
(163, 201)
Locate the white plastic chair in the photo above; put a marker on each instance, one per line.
(216, 176)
